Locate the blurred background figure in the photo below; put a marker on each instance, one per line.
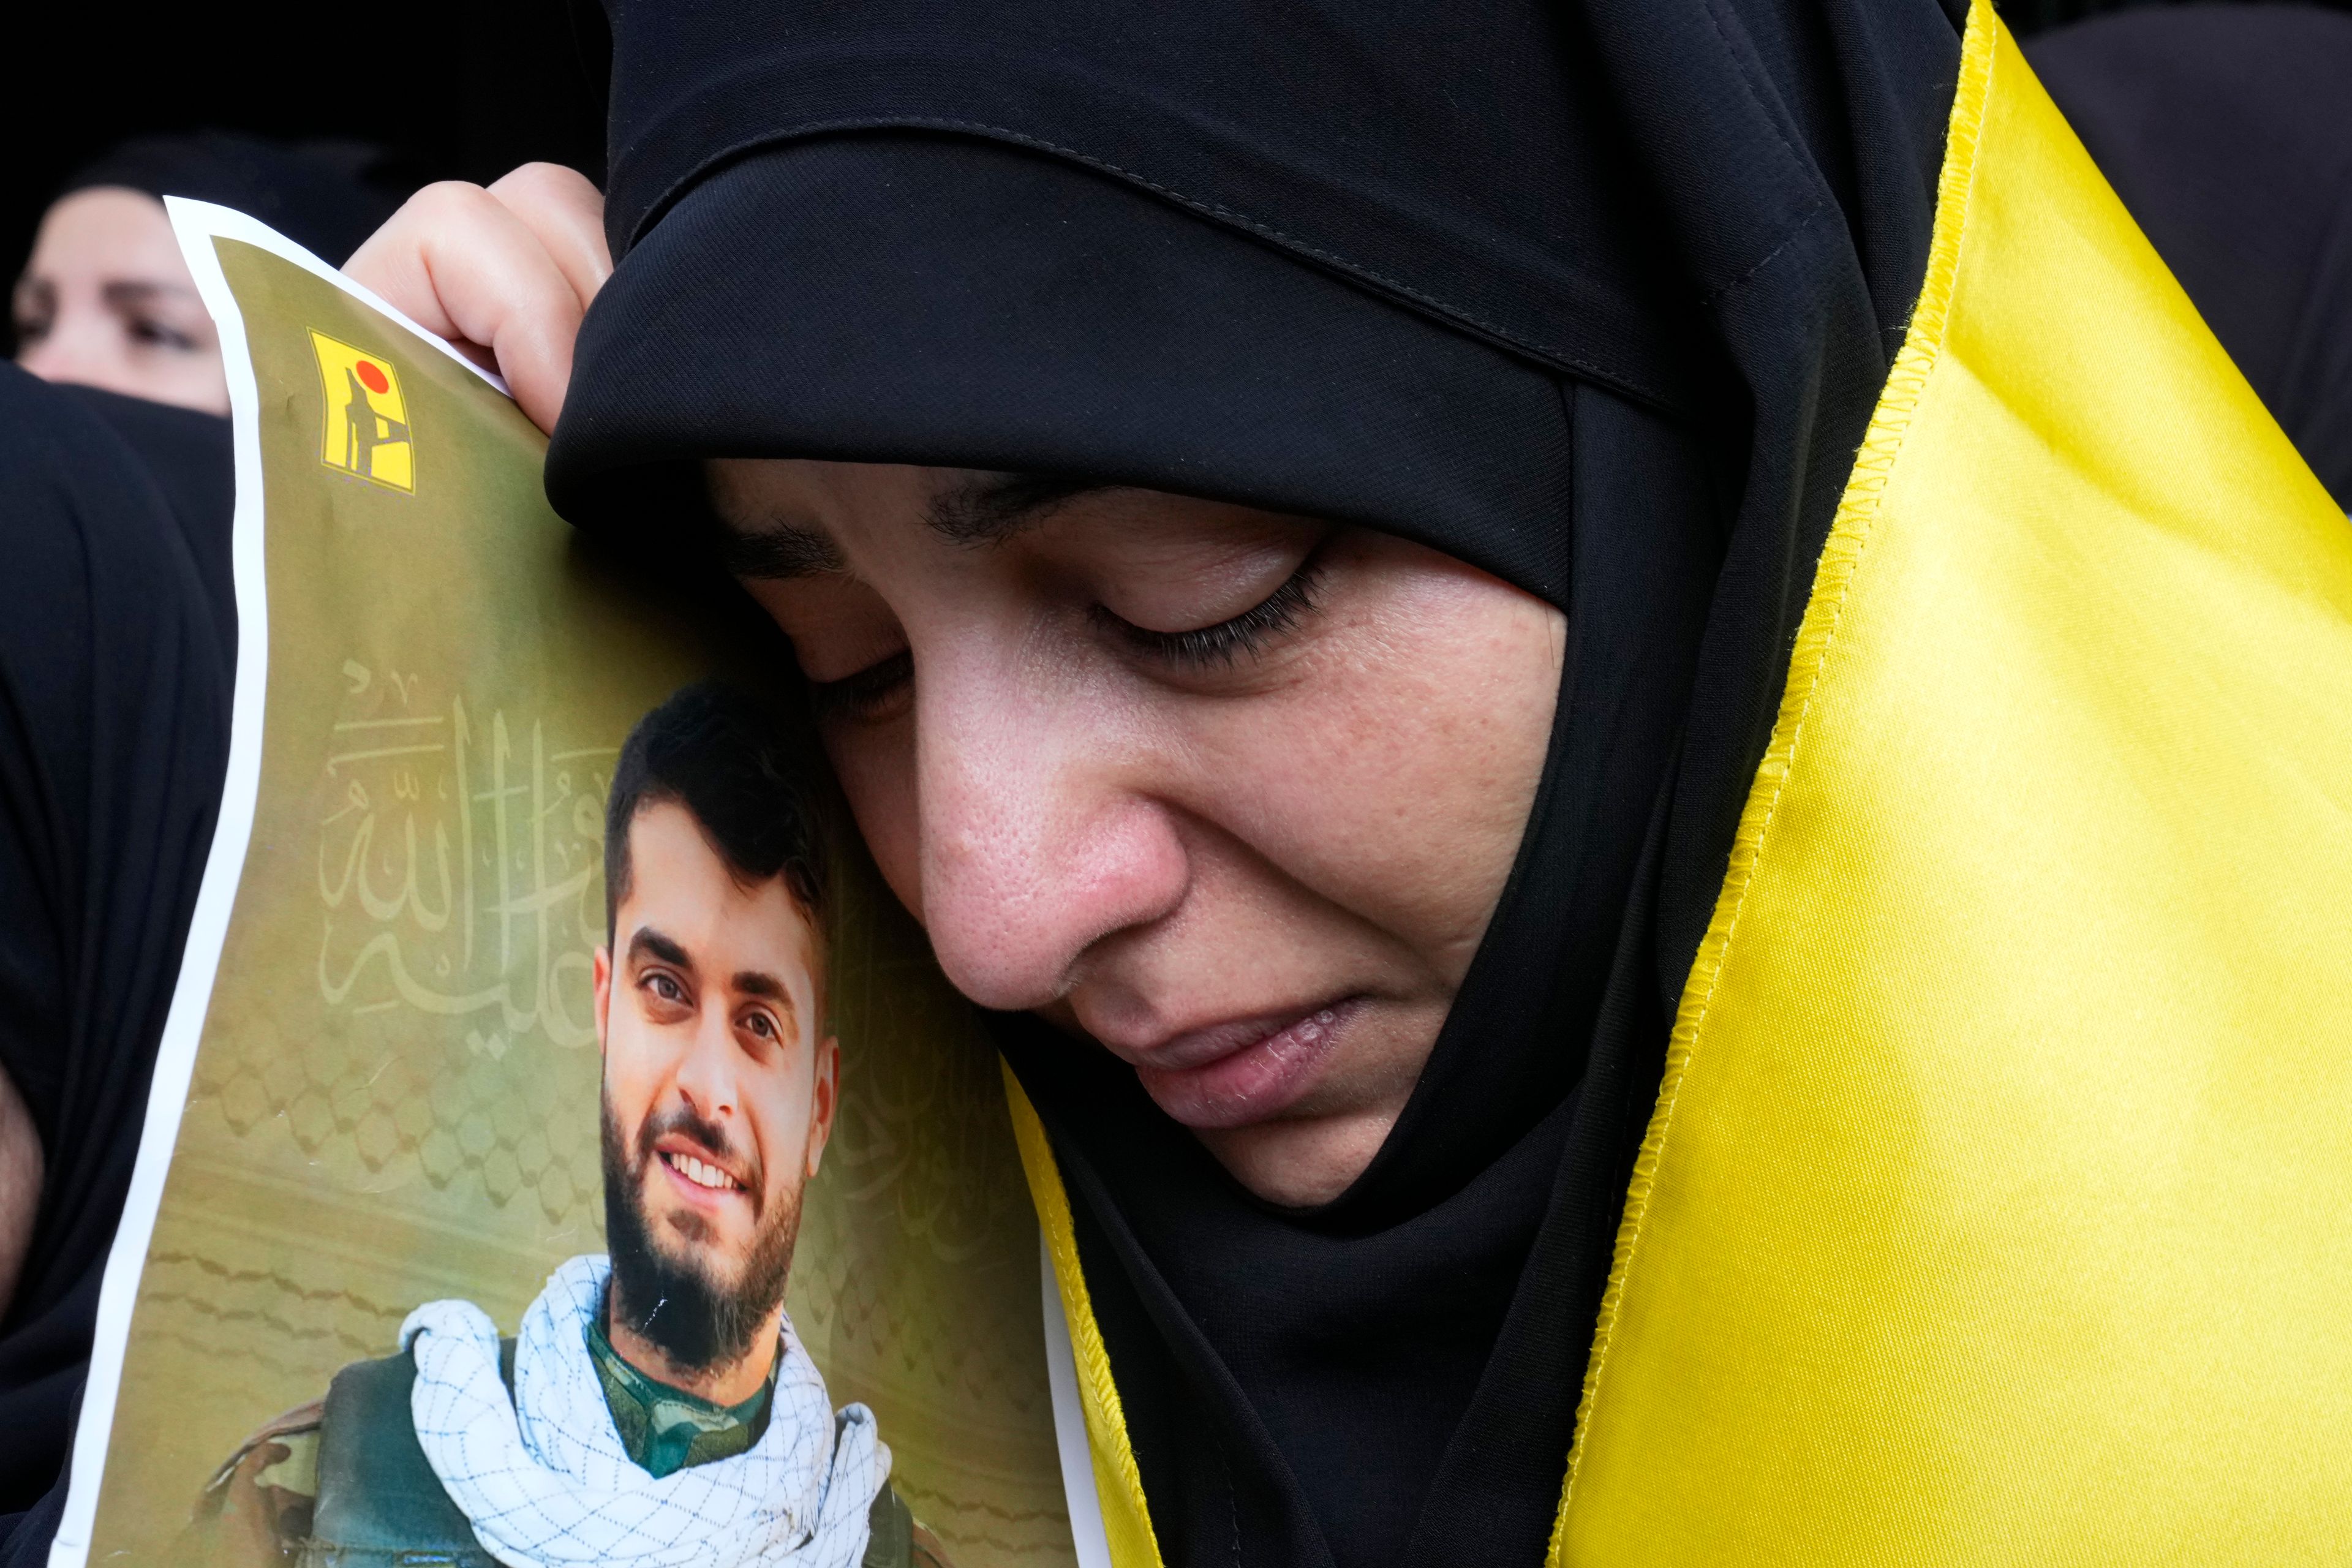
(105, 300)
(2227, 130)
(460, 89)
(117, 612)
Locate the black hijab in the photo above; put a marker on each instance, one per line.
(1597, 297)
(114, 694)
(2227, 130)
(327, 197)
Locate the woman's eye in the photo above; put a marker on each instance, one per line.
(1227, 642)
(161, 336)
(868, 694)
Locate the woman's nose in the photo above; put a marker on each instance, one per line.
(1039, 831)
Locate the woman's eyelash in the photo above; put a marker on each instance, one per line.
(1226, 643)
(860, 695)
(1219, 647)
(148, 331)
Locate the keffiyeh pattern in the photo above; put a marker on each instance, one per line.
(545, 1483)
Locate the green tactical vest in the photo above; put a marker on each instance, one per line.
(381, 1506)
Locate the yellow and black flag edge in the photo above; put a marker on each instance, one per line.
(1993, 1205)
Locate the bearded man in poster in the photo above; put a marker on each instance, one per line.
(655, 1405)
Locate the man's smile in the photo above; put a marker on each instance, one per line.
(705, 1178)
(699, 1173)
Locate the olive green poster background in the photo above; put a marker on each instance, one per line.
(396, 1096)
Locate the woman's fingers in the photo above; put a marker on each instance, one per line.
(509, 282)
(567, 213)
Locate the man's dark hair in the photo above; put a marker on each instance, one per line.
(713, 751)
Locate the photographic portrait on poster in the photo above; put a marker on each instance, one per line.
(568, 1151)
(656, 1400)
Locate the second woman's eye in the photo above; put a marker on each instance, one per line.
(868, 694)
(1226, 642)
(145, 330)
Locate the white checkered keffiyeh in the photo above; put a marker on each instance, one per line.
(545, 1483)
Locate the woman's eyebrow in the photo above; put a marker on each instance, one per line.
(778, 551)
(128, 293)
(990, 508)
(983, 509)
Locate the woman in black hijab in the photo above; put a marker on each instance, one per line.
(1593, 301)
(115, 654)
(117, 642)
(105, 299)
(1298, 525)
(116, 661)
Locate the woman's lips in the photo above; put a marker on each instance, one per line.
(1231, 1075)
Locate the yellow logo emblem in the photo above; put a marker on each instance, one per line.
(367, 419)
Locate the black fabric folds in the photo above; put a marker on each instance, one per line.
(114, 704)
(187, 453)
(326, 196)
(1296, 391)
(2227, 130)
(1596, 296)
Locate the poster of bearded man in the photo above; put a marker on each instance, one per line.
(562, 1149)
(657, 1401)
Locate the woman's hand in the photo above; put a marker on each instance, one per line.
(504, 273)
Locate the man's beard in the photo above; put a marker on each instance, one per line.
(692, 1318)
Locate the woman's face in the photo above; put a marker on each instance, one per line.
(107, 301)
(1232, 794)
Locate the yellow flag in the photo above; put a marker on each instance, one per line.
(366, 430)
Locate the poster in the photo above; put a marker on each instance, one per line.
(415, 1047)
